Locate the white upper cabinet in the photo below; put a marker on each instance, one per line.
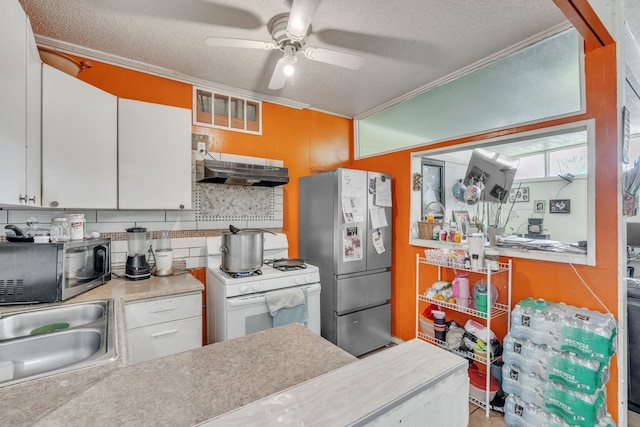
(154, 156)
(79, 143)
(19, 108)
(34, 121)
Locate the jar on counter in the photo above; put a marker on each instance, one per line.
(60, 230)
(492, 257)
(77, 223)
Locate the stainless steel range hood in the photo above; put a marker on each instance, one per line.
(232, 173)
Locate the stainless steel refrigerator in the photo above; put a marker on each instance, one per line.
(345, 229)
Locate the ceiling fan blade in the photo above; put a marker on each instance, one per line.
(333, 57)
(239, 43)
(278, 79)
(302, 12)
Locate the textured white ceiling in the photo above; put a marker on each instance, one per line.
(406, 44)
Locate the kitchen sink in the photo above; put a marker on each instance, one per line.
(50, 319)
(42, 342)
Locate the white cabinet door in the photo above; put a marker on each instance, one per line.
(13, 23)
(34, 121)
(163, 339)
(163, 326)
(154, 156)
(79, 143)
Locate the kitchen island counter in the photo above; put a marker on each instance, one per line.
(190, 387)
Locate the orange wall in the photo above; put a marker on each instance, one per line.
(307, 141)
(551, 281)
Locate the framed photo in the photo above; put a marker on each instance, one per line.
(432, 188)
(462, 220)
(560, 206)
(539, 206)
(519, 194)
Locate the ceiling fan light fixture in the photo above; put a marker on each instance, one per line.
(288, 70)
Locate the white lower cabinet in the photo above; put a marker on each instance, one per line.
(163, 326)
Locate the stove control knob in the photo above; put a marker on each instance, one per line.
(255, 287)
(244, 289)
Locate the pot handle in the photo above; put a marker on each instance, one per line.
(256, 229)
(224, 250)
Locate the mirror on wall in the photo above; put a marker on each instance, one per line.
(549, 198)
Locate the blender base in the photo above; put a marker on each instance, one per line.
(137, 268)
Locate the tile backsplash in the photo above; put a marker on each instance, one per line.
(216, 206)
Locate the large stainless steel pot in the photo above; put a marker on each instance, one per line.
(242, 250)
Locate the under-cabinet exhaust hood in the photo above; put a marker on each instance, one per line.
(233, 173)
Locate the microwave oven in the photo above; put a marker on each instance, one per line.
(50, 272)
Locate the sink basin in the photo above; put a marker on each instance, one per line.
(47, 353)
(36, 321)
(42, 342)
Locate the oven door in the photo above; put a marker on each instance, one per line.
(249, 314)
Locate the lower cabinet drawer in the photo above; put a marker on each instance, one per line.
(160, 310)
(163, 339)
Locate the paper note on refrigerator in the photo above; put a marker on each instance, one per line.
(378, 217)
(350, 210)
(351, 244)
(378, 242)
(383, 192)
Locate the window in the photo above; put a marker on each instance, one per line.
(531, 167)
(544, 80)
(570, 161)
(229, 112)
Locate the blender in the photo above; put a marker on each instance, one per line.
(137, 267)
(164, 254)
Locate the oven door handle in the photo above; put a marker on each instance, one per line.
(242, 302)
(260, 299)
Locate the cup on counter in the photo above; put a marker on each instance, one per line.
(476, 250)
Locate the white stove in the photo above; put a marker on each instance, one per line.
(236, 306)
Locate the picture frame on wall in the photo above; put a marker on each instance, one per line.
(520, 194)
(433, 188)
(539, 206)
(560, 206)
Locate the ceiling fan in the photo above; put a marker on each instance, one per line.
(289, 33)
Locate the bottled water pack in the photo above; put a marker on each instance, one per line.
(572, 407)
(587, 333)
(573, 372)
(518, 413)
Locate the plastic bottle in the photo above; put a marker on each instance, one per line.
(527, 386)
(525, 354)
(518, 413)
(531, 319)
